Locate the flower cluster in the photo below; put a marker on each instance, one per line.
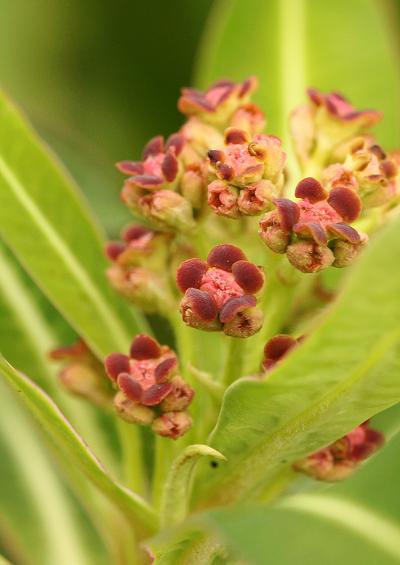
(151, 392)
(249, 173)
(366, 169)
(315, 232)
(143, 267)
(329, 120)
(169, 185)
(342, 458)
(82, 374)
(219, 292)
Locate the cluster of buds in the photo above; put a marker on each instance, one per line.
(142, 265)
(220, 292)
(340, 459)
(169, 185)
(328, 121)
(277, 348)
(249, 173)
(314, 232)
(151, 392)
(366, 169)
(82, 374)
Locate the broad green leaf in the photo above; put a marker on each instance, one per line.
(292, 44)
(26, 337)
(46, 223)
(345, 372)
(65, 438)
(51, 531)
(177, 486)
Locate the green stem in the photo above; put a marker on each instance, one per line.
(164, 453)
(132, 457)
(235, 360)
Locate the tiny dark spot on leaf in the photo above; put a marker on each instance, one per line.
(214, 464)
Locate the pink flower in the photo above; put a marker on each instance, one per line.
(310, 230)
(249, 172)
(147, 378)
(343, 457)
(219, 292)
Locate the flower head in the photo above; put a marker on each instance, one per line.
(82, 374)
(219, 292)
(149, 384)
(249, 173)
(310, 231)
(221, 102)
(343, 457)
(327, 121)
(139, 268)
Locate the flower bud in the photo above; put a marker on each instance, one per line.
(172, 424)
(346, 252)
(169, 209)
(82, 374)
(180, 396)
(309, 257)
(132, 412)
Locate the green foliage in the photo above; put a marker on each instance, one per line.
(64, 438)
(45, 221)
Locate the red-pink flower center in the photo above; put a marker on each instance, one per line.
(152, 165)
(320, 213)
(238, 157)
(221, 285)
(144, 372)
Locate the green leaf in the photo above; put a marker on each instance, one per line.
(320, 529)
(50, 532)
(65, 438)
(177, 488)
(291, 45)
(46, 223)
(345, 372)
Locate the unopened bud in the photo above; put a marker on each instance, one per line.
(309, 257)
(172, 424)
(132, 411)
(168, 209)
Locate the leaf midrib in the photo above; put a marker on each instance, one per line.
(245, 466)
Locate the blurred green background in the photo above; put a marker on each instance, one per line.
(98, 78)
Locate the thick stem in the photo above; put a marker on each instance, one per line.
(132, 457)
(235, 360)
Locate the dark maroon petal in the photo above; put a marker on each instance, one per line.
(193, 101)
(224, 256)
(362, 451)
(190, 274)
(378, 151)
(288, 213)
(130, 167)
(146, 181)
(165, 369)
(313, 230)
(235, 305)
(177, 141)
(116, 363)
(310, 189)
(131, 233)
(248, 85)
(113, 249)
(236, 135)
(225, 172)
(156, 394)
(130, 387)
(344, 231)
(346, 203)
(315, 96)
(145, 347)
(202, 304)
(389, 169)
(221, 83)
(374, 437)
(278, 346)
(248, 276)
(215, 155)
(154, 146)
(170, 166)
